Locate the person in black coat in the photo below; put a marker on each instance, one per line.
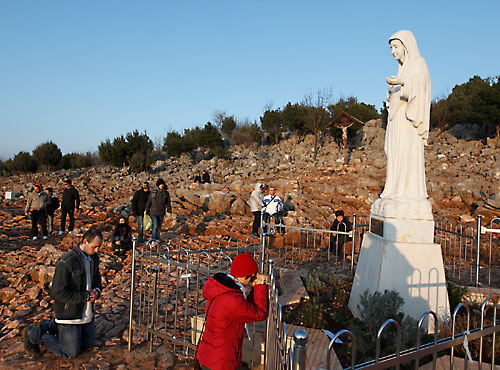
(341, 224)
(69, 205)
(139, 201)
(122, 236)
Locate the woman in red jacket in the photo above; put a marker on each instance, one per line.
(228, 308)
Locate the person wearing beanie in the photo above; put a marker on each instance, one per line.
(232, 300)
(256, 203)
(342, 224)
(158, 202)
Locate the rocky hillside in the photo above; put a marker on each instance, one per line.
(462, 179)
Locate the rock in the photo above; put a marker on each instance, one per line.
(219, 202)
(240, 207)
(32, 293)
(7, 294)
(43, 274)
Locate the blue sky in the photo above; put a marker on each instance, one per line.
(78, 72)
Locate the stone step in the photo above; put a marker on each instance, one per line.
(292, 288)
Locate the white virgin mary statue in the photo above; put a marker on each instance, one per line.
(409, 101)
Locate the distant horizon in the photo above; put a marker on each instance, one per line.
(78, 73)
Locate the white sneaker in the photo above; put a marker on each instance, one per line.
(35, 238)
(60, 233)
(45, 237)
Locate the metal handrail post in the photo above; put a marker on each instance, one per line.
(353, 240)
(300, 350)
(132, 288)
(478, 247)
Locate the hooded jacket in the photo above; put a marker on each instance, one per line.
(159, 201)
(256, 200)
(228, 311)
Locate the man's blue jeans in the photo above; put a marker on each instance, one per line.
(69, 341)
(156, 227)
(140, 226)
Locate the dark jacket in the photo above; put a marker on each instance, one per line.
(222, 341)
(139, 201)
(51, 204)
(122, 232)
(158, 202)
(71, 198)
(69, 284)
(344, 226)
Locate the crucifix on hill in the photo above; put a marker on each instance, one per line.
(344, 120)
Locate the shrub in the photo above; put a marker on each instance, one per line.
(48, 155)
(175, 144)
(374, 310)
(140, 162)
(22, 162)
(121, 151)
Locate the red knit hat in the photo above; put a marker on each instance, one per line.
(243, 265)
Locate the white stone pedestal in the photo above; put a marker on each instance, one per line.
(414, 269)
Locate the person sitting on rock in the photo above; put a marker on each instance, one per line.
(122, 236)
(197, 178)
(205, 177)
(273, 208)
(341, 224)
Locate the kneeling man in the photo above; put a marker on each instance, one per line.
(76, 285)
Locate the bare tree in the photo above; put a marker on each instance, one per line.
(218, 117)
(316, 114)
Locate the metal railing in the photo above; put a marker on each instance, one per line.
(295, 246)
(471, 253)
(167, 281)
(166, 298)
(400, 357)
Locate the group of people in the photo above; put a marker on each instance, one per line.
(155, 203)
(203, 178)
(265, 207)
(41, 207)
(232, 300)
(145, 202)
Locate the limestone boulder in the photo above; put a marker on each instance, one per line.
(240, 207)
(42, 273)
(7, 294)
(220, 201)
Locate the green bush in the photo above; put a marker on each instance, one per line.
(374, 310)
(207, 137)
(48, 155)
(75, 160)
(174, 144)
(122, 149)
(22, 162)
(140, 162)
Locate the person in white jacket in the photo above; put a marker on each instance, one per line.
(256, 204)
(273, 208)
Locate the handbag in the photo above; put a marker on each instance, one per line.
(196, 364)
(148, 223)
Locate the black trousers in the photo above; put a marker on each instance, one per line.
(38, 217)
(71, 213)
(256, 222)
